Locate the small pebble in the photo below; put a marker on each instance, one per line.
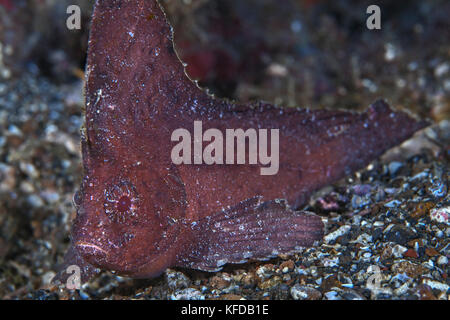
(299, 292)
(187, 294)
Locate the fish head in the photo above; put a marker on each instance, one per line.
(129, 219)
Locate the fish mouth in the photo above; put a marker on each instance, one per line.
(91, 252)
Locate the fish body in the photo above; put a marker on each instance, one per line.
(138, 212)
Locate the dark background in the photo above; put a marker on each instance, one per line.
(308, 53)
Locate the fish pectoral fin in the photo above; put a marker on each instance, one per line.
(74, 270)
(251, 230)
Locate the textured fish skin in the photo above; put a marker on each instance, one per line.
(138, 213)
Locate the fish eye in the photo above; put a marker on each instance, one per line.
(124, 204)
(121, 201)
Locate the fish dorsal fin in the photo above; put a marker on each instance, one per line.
(133, 73)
